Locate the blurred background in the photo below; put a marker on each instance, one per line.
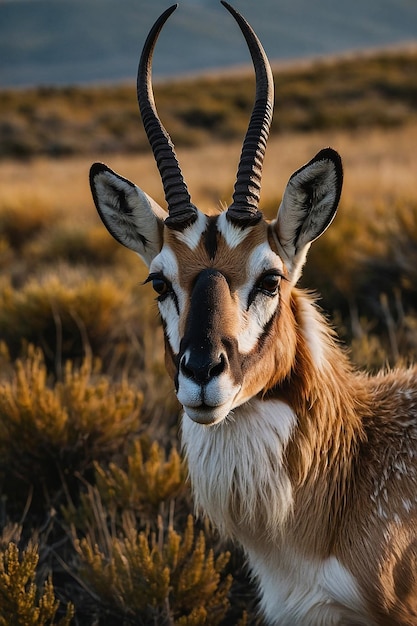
(61, 42)
(96, 517)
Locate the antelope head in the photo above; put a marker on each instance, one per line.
(223, 282)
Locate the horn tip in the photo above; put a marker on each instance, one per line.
(228, 6)
(170, 10)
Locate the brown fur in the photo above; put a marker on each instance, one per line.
(353, 459)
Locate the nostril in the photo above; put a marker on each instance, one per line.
(185, 369)
(219, 367)
(202, 370)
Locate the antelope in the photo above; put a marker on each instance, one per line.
(306, 463)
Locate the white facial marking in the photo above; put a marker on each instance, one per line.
(191, 236)
(166, 263)
(233, 235)
(254, 320)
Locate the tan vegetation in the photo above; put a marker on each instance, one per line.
(377, 89)
(95, 507)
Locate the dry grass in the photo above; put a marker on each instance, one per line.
(373, 90)
(378, 164)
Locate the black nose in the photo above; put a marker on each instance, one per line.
(201, 368)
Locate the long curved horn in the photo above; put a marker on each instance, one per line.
(244, 209)
(181, 211)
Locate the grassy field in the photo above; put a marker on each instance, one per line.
(367, 90)
(95, 510)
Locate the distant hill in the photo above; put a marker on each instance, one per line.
(367, 90)
(61, 42)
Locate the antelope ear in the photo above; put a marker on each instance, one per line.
(129, 214)
(308, 207)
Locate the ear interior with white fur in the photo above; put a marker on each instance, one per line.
(129, 214)
(308, 206)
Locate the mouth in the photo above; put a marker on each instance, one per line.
(207, 415)
(208, 404)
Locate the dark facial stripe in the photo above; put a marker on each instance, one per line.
(201, 331)
(210, 236)
(207, 341)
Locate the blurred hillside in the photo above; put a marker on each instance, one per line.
(362, 91)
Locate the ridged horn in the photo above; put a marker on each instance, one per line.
(181, 211)
(244, 208)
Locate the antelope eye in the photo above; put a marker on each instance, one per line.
(159, 283)
(269, 284)
(160, 286)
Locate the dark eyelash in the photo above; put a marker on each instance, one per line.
(152, 277)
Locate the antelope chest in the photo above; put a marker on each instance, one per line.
(240, 481)
(296, 591)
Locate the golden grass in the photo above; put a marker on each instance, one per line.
(378, 164)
